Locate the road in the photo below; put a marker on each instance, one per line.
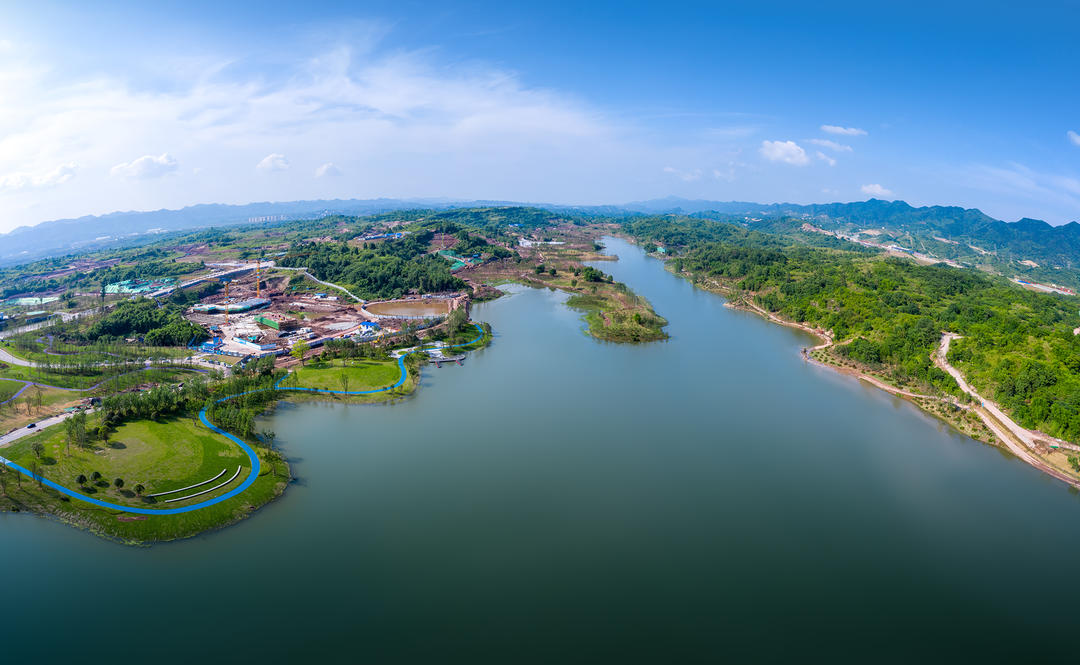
(14, 360)
(1019, 440)
(316, 279)
(12, 437)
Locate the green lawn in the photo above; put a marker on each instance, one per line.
(362, 374)
(161, 455)
(9, 388)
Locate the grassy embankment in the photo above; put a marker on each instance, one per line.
(161, 456)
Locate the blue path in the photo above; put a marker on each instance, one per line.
(252, 457)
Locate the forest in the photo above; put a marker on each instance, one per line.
(890, 313)
(384, 270)
(157, 324)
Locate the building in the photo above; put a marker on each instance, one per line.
(211, 344)
(254, 345)
(279, 322)
(232, 307)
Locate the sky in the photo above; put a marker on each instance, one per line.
(140, 106)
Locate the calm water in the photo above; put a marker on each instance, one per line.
(410, 308)
(563, 500)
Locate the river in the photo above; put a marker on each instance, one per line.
(560, 499)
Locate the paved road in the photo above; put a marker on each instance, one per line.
(12, 437)
(6, 357)
(316, 279)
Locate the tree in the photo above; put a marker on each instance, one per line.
(299, 349)
(344, 380)
(38, 448)
(119, 483)
(139, 489)
(95, 476)
(81, 480)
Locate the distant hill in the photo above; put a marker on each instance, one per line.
(962, 234)
(63, 236)
(969, 234)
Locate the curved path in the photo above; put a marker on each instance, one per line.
(1011, 433)
(27, 383)
(253, 458)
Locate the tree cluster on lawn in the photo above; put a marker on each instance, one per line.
(153, 404)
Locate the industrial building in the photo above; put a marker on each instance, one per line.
(232, 307)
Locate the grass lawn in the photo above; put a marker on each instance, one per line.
(362, 374)
(162, 455)
(9, 388)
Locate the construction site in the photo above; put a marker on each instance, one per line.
(264, 311)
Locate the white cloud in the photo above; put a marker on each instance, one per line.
(843, 131)
(877, 191)
(685, 176)
(1073, 136)
(275, 161)
(51, 178)
(831, 145)
(825, 158)
(327, 169)
(147, 166)
(424, 127)
(788, 152)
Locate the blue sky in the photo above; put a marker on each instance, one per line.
(151, 105)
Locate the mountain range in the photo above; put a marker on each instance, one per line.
(944, 231)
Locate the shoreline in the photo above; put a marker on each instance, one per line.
(1020, 446)
(58, 507)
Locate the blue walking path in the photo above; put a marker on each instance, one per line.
(252, 457)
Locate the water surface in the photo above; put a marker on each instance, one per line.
(560, 499)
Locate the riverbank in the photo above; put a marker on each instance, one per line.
(158, 458)
(981, 419)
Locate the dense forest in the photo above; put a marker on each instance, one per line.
(381, 270)
(158, 324)
(890, 313)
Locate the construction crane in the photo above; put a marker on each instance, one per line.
(226, 282)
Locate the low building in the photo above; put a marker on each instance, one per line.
(279, 322)
(232, 307)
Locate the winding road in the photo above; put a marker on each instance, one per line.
(1020, 441)
(1011, 433)
(253, 458)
